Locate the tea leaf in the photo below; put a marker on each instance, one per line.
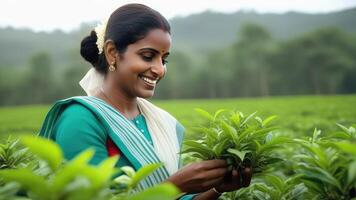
(268, 120)
(239, 154)
(129, 171)
(165, 191)
(230, 131)
(247, 118)
(276, 181)
(217, 113)
(221, 146)
(351, 175)
(28, 180)
(272, 144)
(123, 179)
(205, 154)
(198, 155)
(72, 169)
(347, 147)
(346, 130)
(83, 158)
(143, 172)
(259, 120)
(200, 148)
(316, 134)
(45, 149)
(235, 119)
(204, 114)
(319, 174)
(106, 169)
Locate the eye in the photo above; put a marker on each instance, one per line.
(147, 58)
(164, 61)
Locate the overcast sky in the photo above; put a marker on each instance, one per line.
(46, 15)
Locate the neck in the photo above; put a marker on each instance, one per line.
(127, 106)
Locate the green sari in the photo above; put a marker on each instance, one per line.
(132, 143)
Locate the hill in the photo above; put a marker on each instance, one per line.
(207, 30)
(212, 30)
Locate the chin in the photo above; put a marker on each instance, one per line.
(146, 94)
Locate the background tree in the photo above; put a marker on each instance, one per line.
(251, 55)
(39, 85)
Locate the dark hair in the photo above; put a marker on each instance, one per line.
(126, 25)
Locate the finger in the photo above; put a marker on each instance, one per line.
(215, 173)
(236, 177)
(246, 174)
(213, 183)
(216, 163)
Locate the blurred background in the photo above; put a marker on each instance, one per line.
(226, 49)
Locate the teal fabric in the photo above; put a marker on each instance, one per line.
(75, 127)
(123, 133)
(78, 129)
(188, 197)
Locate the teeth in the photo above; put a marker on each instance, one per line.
(149, 80)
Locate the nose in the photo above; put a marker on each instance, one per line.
(158, 69)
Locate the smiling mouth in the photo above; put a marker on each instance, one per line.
(149, 81)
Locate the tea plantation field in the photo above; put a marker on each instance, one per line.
(296, 114)
(286, 165)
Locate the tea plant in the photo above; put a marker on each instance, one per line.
(12, 157)
(239, 139)
(271, 187)
(328, 166)
(75, 179)
(126, 185)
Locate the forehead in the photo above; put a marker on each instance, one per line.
(156, 39)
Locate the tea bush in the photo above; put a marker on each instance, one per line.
(50, 177)
(320, 166)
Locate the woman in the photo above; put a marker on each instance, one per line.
(129, 55)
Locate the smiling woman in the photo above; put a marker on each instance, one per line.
(129, 55)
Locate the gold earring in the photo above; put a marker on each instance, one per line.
(112, 67)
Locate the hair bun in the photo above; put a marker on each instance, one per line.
(88, 48)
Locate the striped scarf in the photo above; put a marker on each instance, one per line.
(161, 125)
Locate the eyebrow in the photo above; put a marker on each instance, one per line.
(154, 50)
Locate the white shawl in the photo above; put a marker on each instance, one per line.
(161, 125)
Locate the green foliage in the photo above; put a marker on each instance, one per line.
(41, 148)
(241, 140)
(297, 115)
(326, 170)
(130, 179)
(53, 178)
(12, 157)
(165, 191)
(272, 187)
(318, 166)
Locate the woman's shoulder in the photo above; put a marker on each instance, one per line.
(76, 119)
(74, 109)
(78, 114)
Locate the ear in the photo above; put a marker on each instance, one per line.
(111, 52)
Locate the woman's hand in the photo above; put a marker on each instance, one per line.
(200, 176)
(240, 178)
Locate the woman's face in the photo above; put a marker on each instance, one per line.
(143, 64)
